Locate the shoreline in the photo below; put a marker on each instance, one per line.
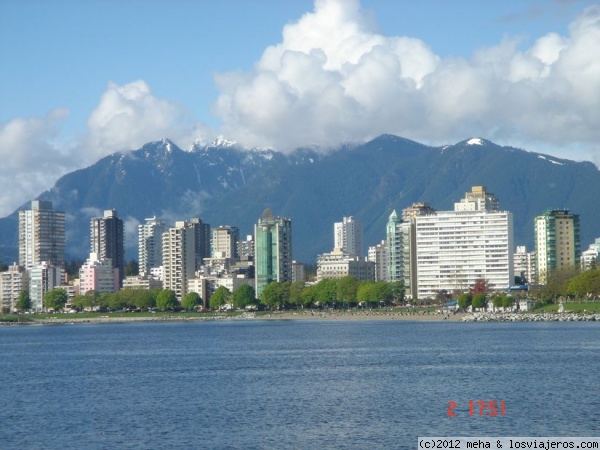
(275, 315)
(326, 315)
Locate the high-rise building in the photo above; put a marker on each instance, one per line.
(556, 242)
(478, 200)
(524, 264)
(179, 257)
(348, 236)
(273, 250)
(41, 235)
(106, 240)
(456, 248)
(201, 240)
(246, 248)
(378, 254)
(395, 244)
(150, 244)
(224, 242)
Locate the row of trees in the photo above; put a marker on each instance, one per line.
(343, 292)
(571, 283)
(334, 293)
(480, 300)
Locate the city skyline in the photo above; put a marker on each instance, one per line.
(489, 64)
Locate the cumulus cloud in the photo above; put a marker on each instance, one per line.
(334, 78)
(30, 159)
(34, 154)
(128, 116)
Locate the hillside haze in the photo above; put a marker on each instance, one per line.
(224, 184)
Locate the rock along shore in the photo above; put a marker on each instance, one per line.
(530, 317)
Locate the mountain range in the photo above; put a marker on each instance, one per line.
(225, 184)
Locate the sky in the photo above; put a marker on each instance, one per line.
(82, 79)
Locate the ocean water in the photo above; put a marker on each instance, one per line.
(292, 384)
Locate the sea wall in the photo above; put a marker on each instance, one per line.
(529, 317)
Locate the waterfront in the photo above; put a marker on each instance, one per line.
(292, 384)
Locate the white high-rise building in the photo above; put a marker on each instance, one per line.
(224, 243)
(456, 248)
(378, 255)
(41, 235)
(348, 236)
(179, 257)
(150, 244)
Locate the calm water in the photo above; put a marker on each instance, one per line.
(305, 385)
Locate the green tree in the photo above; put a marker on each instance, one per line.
(296, 289)
(479, 301)
(102, 301)
(55, 299)
(219, 298)
(585, 284)
(508, 301)
(244, 296)
(326, 291)
(78, 302)
(275, 294)
(166, 299)
(557, 282)
(309, 295)
(497, 300)
(191, 300)
(398, 292)
(383, 292)
(144, 299)
(366, 292)
(346, 289)
(24, 302)
(464, 301)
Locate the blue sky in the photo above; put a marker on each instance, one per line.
(82, 79)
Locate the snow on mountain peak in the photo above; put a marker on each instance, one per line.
(475, 141)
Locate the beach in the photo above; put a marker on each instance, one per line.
(274, 315)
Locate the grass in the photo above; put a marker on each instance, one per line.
(592, 307)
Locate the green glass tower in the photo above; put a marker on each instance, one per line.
(273, 250)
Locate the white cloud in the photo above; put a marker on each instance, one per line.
(334, 78)
(128, 116)
(29, 158)
(34, 154)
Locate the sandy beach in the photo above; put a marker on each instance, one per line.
(275, 315)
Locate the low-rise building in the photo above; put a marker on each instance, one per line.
(338, 264)
(98, 274)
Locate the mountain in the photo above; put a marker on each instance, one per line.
(224, 184)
